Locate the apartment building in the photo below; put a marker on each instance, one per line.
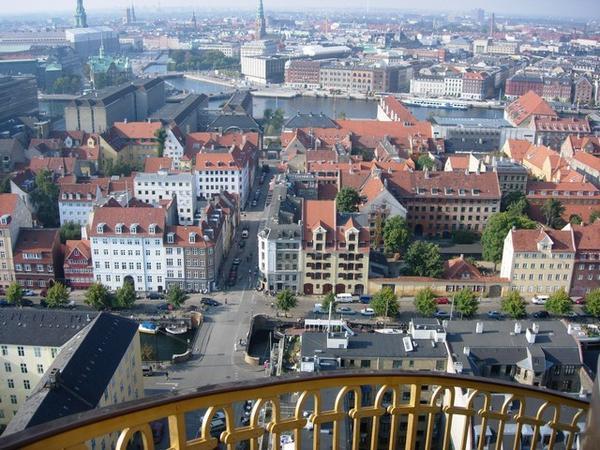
(154, 188)
(106, 354)
(552, 131)
(76, 201)
(578, 198)
(78, 267)
(428, 85)
(303, 74)
(586, 269)
(539, 261)
(174, 145)
(438, 203)
(280, 242)
(128, 246)
(14, 215)
(130, 142)
(229, 49)
(26, 356)
(335, 249)
(359, 78)
(38, 258)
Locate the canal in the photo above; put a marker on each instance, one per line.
(162, 346)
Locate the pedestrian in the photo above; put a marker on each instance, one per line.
(167, 375)
(225, 301)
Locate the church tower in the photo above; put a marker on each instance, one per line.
(80, 16)
(260, 22)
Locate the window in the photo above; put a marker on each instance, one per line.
(20, 351)
(54, 352)
(40, 368)
(365, 363)
(13, 398)
(26, 384)
(7, 367)
(4, 350)
(11, 383)
(23, 368)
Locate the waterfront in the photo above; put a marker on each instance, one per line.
(162, 346)
(331, 106)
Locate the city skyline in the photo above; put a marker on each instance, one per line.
(576, 9)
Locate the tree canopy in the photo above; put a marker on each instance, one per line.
(594, 215)
(514, 201)
(395, 235)
(425, 302)
(466, 303)
(70, 231)
(286, 300)
(559, 303)
(425, 162)
(592, 303)
(423, 259)
(496, 229)
(98, 297)
(385, 303)
(14, 294)
(329, 299)
(45, 199)
(347, 200)
(553, 209)
(189, 60)
(57, 296)
(125, 296)
(176, 296)
(161, 137)
(514, 305)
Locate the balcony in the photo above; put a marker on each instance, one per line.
(361, 409)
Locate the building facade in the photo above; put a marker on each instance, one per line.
(586, 269)
(14, 215)
(38, 258)
(78, 267)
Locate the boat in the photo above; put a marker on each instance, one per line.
(436, 103)
(148, 328)
(176, 329)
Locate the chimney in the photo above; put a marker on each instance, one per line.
(517, 327)
(535, 328)
(467, 350)
(479, 328)
(530, 336)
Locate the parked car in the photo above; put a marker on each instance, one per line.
(442, 300)
(253, 203)
(495, 315)
(164, 307)
(28, 293)
(345, 310)
(369, 312)
(4, 302)
(26, 302)
(245, 233)
(318, 309)
(541, 314)
(237, 261)
(147, 371)
(344, 298)
(209, 301)
(155, 296)
(441, 314)
(578, 300)
(539, 299)
(242, 244)
(366, 299)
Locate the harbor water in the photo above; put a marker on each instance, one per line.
(162, 346)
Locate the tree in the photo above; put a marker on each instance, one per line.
(559, 303)
(385, 303)
(592, 303)
(424, 260)
(594, 215)
(70, 231)
(464, 237)
(14, 294)
(553, 209)
(57, 296)
(496, 229)
(125, 297)
(347, 200)
(395, 235)
(98, 297)
(286, 300)
(329, 299)
(514, 201)
(514, 305)
(5, 185)
(176, 296)
(425, 302)
(45, 199)
(161, 137)
(466, 303)
(575, 219)
(425, 162)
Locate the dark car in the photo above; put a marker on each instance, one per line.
(4, 302)
(164, 307)
(541, 314)
(366, 299)
(242, 244)
(209, 301)
(441, 315)
(155, 296)
(26, 302)
(495, 315)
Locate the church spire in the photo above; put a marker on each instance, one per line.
(260, 21)
(80, 15)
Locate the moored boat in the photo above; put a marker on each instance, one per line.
(148, 328)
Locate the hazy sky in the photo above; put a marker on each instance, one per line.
(577, 8)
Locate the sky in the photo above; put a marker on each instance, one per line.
(570, 8)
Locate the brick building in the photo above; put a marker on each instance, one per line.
(583, 91)
(38, 258)
(586, 272)
(577, 198)
(302, 74)
(77, 267)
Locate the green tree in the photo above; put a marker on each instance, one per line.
(514, 305)
(496, 229)
(125, 296)
(466, 303)
(425, 302)
(385, 303)
(594, 215)
(329, 299)
(553, 209)
(176, 296)
(347, 200)
(45, 199)
(161, 137)
(559, 303)
(425, 162)
(575, 219)
(515, 201)
(464, 237)
(57, 296)
(70, 231)
(14, 294)
(424, 260)
(5, 185)
(98, 297)
(395, 235)
(286, 300)
(592, 303)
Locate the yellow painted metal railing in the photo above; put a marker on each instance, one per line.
(383, 409)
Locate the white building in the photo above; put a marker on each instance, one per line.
(174, 145)
(128, 245)
(263, 69)
(428, 86)
(153, 188)
(262, 47)
(453, 85)
(77, 201)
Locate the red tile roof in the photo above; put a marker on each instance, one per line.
(82, 246)
(319, 213)
(458, 162)
(57, 165)
(517, 148)
(8, 204)
(154, 163)
(561, 125)
(527, 240)
(589, 144)
(528, 105)
(143, 217)
(397, 111)
(181, 236)
(35, 240)
(458, 269)
(587, 237)
(587, 159)
(445, 185)
(136, 130)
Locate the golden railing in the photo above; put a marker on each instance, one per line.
(382, 409)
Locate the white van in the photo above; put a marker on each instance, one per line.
(539, 299)
(344, 298)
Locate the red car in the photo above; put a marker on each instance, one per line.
(442, 300)
(578, 300)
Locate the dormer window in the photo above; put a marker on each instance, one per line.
(100, 228)
(152, 228)
(5, 219)
(192, 238)
(119, 228)
(170, 238)
(448, 191)
(133, 228)
(475, 191)
(64, 196)
(461, 192)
